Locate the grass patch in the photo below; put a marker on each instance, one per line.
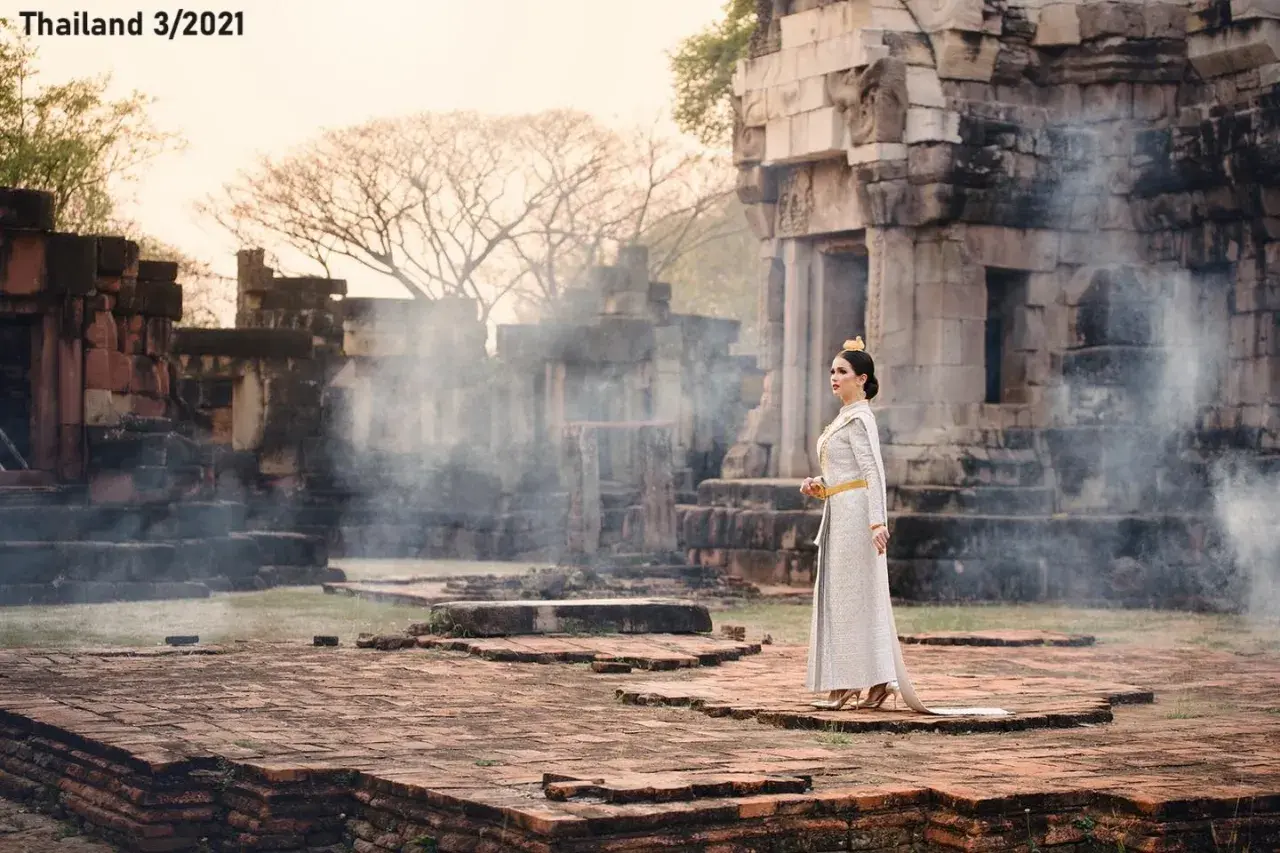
(296, 614)
(789, 624)
(287, 614)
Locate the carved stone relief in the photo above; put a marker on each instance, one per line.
(795, 202)
(748, 144)
(873, 101)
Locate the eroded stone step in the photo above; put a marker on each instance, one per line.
(986, 500)
(42, 496)
(289, 549)
(762, 494)
(119, 523)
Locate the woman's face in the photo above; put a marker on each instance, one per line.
(845, 384)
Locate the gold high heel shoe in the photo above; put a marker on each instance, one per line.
(876, 696)
(837, 704)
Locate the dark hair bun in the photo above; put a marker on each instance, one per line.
(863, 365)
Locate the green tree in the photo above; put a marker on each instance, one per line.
(70, 139)
(480, 206)
(703, 68)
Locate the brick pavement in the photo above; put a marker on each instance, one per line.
(274, 748)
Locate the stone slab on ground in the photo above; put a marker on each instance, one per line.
(606, 615)
(656, 652)
(415, 593)
(681, 582)
(1012, 637)
(291, 747)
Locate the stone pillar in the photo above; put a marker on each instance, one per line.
(71, 396)
(668, 385)
(582, 469)
(754, 454)
(792, 453)
(891, 307)
(657, 489)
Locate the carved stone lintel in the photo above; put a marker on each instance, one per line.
(873, 101)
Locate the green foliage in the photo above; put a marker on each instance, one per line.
(703, 70)
(69, 139)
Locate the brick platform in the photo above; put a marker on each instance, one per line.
(765, 691)
(275, 748)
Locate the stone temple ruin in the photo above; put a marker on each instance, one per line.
(1052, 222)
(105, 493)
(1055, 223)
(153, 461)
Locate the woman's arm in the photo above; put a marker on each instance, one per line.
(866, 459)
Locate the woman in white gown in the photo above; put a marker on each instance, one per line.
(853, 643)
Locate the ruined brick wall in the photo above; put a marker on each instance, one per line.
(98, 321)
(118, 499)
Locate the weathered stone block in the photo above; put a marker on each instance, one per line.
(1011, 248)
(801, 96)
(99, 408)
(101, 331)
(1059, 25)
(876, 152)
(71, 263)
(1107, 19)
(927, 124)
(965, 15)
(924, 89)
(117, 257)
(24, 265)
(1239, 48)
(621, 616)
(26, 209)
(966, 55)
(800, 28)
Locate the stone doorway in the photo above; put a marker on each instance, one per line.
(15, 388)
(839, 312)
(1006, 373)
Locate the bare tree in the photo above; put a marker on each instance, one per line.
(461, 204)
(642, 187)
(208, 299)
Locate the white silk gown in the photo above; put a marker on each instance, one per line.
(853, 642)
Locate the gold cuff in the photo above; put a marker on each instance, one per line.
(876, 527)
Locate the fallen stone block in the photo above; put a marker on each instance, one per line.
(620, 616)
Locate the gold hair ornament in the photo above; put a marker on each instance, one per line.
(855, 345)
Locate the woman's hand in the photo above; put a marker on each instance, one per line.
(880, 538)
(810, 486)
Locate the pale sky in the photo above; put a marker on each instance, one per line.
(306, 65)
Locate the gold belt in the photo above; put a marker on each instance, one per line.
(825, 492)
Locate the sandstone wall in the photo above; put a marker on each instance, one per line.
(1093, 180)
